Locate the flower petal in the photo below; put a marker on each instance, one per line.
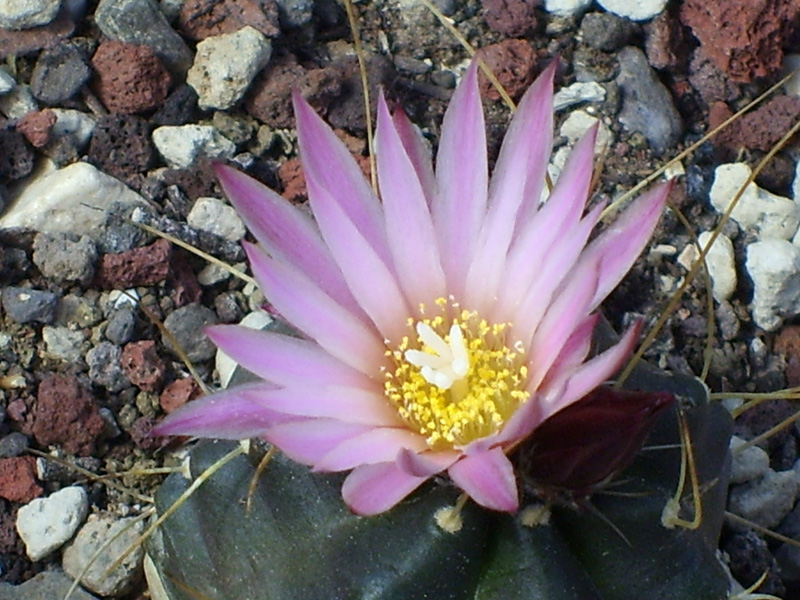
(350, 405)
(306, 441)
(373, 489)
(283, 359)
(488, 478)
(376, 445)
(418, 152)
(462, 176)
(231, 414)
(409, 228)
(518, 178)
(367, 275)
(301, 302)
(330, 166)
(425, 464)
(284, 231)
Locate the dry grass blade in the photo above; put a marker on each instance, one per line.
(670, 518)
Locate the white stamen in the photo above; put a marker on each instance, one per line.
(449, 364)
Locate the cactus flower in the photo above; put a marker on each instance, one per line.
(442, 321)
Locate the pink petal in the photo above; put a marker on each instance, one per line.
(372, 283)
(518, 178)
(578, 345)
(376, 445)
(373, 489)
(418, 152)
(488, 478)
(231, 414)
(594, 372)
(307, 441)
(412, 240)
(301, 302)
(553, 236)
(284, 231)
(283, 359)
(330, 166)
(462, 178)
(425, 464)
(350, 405)
(616, 249)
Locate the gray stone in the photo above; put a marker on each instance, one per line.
(605, 31)
(181, 146)
(647, 106)
(225, 65)
(765, 501)
(25, 305)
(7, 81)
(187, 324)
(59, 74)
(18, 102)
(105, 368)
(13, 444)
(78, 311)
(774, 267)
(45, 524)
(141, 22)
(217, 217)
(24, 14)
(298, 13)
(65, 344)
(74, 125)
(121, 325)
(119, 534)
(748, 464)
(47, 585)
(64, 257)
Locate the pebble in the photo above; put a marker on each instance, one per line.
(605, 31)
(582, 91)
(14, 444)
(217, 217)
(766, 501)
(121, 325)
(749, 464)
(212, 274)
(225, 65)
(45, 524)
(74, 125)
(7, 81)
(105, 368)
(199, 19)
(63, 343)
(18, 102)
(36, 127)
(720, 262)
(121, 146)
(181, 146)
(78, 311)
(44, 586)
(63, 257)
(298, 13)
(774, 267)
(24, 14)
(26, 305)
(635, 10)
(141, 22)
(566, 8)
(647, 106)
(59, 74)
(142, 365)
(763, 213)
(114, 536)
(578, 123)
(74, 199)
(187, 325)
(147, 265)
(18, 479)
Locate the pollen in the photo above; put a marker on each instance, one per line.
(456, 377)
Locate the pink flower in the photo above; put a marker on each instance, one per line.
(443, 322)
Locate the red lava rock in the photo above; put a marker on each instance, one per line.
(514, 18)
(27, 41)
(140, 434)
(185, 288)
(142, 365)
(787, 343)
(709, 81)
(270, 98)
(200, 19)
(66, 414)
(293, 182)
(744, 38)
(178, 393)
(17, 410)
(18, 479)
(147, 265)
(130, 78)
(36, 126)
(759, 129)
(9, 538)
(513, 62)
(666, 43)
(17, 157)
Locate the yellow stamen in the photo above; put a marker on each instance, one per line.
(456, 379)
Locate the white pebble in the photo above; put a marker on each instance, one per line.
(578, 122)
(45, 524)
(721, 265)
(635, 10)
(774, 267)
(214, 216)
(765, 501)
(24, 14)
(749, 464)
(182, 145)
(581, 91)
(565, 8)
(7, 81)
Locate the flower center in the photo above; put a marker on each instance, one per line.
(456, 379)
